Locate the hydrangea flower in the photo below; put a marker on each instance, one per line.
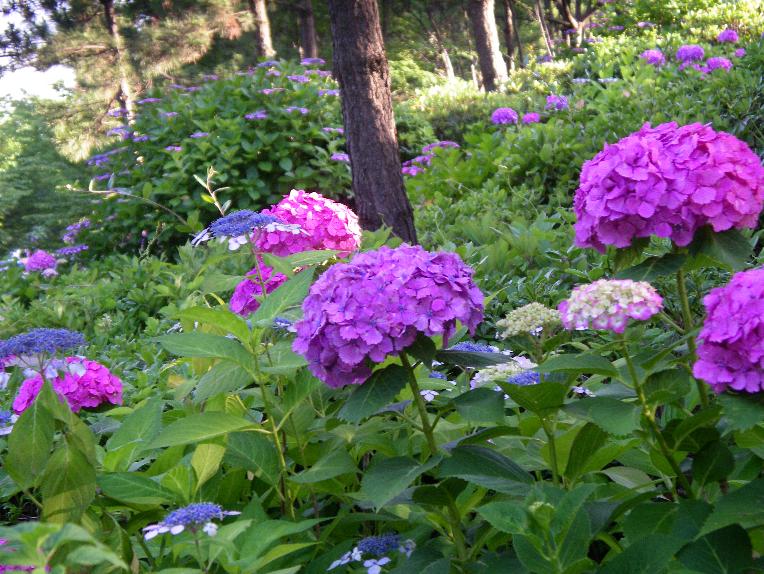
(41, 341)
(728, 36)
(290, 109)
(379, 545)
(374, 565)
(654, 57)
(330, 130)
(71, 250)
(524, 378)
(173, 148)
(300, 79)
(168, 114)
(83, 384)
(731, 342)
(690, 53)
(13, 567)
(531, 118)
(667, 181)
(504, 372)
(323, 92)
(199, 516)
(141, 138)
(411, 170)
(439, 144)
(149, 101)
(7, 420)
(244, 299)
(740, 52)
(268, 64)
(197, 135)
(718, 64)
(237, 227)
(269, 91)
(502, 116)
(555, 102)
(40, 260)
(360, 312)
(326, 224)
(312, 62)
(470, 347)
(532, 319)
(608, 304)
(339, 156)
(258, 115)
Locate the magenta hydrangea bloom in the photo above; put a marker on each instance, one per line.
(608, 304)
(667, 181)
(358, 313)
(501, 116)
(326, 225)
(740, 52)
(727, 36)
(653, 57)
(555, 102)
(531, 118)
(690, 53)
(731, 349)
(82, 383)
(40, 260)
(718, 64)
(244, 299)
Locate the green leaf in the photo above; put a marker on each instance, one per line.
(68, 485)
(585, 446)
(207, 346)
(471, 360)
(135, 433)
(742, 412)
(377, 392)
(254, 452)
(335, 463)
(714, 462)
(647, 555)
(223, 377)
(263, 535)
(481, 405)
(611, 415)
(654, 267)
(578, 364)
(134, 488)
(30, 442)
(742, 506)
(288, 264)
(506, 516)
(386, 478)
(541, 398)
(703, 419)
(289, 294)
(219, 317)
(487, 468)
(730, 249)
(206, 461)
(199, 428)
(724, 551)
(282, 360)
(422, 349)
(219, 282)
(667, 386)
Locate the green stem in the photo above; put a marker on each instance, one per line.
(199, 557)
(688, 326)
(656, 430)
(419, 401)
(456, 532)
(149, 555)
(552, 451)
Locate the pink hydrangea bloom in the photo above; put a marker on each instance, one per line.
(718, 64)
(731, 349)
(360, 312)
(82, 383)
(667, 181)
(740, 52)
(608, 304)
(326, 223)
(728, 35)
(40, 260)
(244, 301)
(531, 118)
(653, 57)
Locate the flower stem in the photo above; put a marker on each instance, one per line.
(419, 401)
(199, 558)
(552, 451)
(688, 326)
(656, 430)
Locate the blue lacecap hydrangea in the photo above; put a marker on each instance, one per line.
(379, 545)
(42, 340)
(194, 514)
(471, 347)
(524, 379)
(240, 223)
(437, 375)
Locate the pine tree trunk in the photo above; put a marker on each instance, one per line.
(437, 38)
(492, 65)
(361, 69)
(308, 41)
(263, 42)
(125, 93)
(544, 29)
(509, 33)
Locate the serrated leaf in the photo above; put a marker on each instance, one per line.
(134, 488)
(206, 461)
(487, 468)
(481, 405)
(377, 392)
(654, 267)
(254, 452)
(219, 317)
(386, 478)
(289, 294)
(742, 412)
(30, 442)
(68, 485)
(730, 249)
(334, 464)
(742, 506)
(578, 364)
(611, 415)
(200, 427)
(472, 360)
(668, 386)
(205, 345)
(712, 463)
(542, 398)
(724, 551)
(223, 377)
(585, 446)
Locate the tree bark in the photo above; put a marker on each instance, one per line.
(440, 44)
(263, 41)
(492, 65)
(125, 93)
(308, 40)
(544, 29)
(510, 34)
(361, 69)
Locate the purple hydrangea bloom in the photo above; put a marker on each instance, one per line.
(340, 131)
(117, 112)
(645, 24)
(653, 57)
(470, 347)
(360, 312)
(197, 135)
(71, 250)
(379, 545)
(244, 300)
(728, 36)
(616, 28)
(210, 77)
(323, 92)
(123, 132)
(173, 148)
(718, 63)
(103, 176)
(555, 102)
(524, 378)
(273, 73)
(71, 231)
(312, 62)
(339, 156)
(531, 118)
(141, 138)
(240, 223)
(690, 53)
(411, 170)
(268, 64)
(740, 52)
(40, 260)
(269, 91)
(168, 114)
(300, 79)
(258, 115)
(41, 340)
(502, 116)
(195, 517)
(149, 101)
(439, 144)
(731, 349)
(290, 109)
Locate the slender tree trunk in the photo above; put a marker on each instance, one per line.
(263, 42)
(509, 34)
(308, 40)
(516, 27)
(544, 29)
(437, 38)
(360, 66)
(492, 65)
(125, 93)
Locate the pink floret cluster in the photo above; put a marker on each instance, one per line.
(326, 223)
(244, 300)
(360, 312)
(40, 260)
(82, 383)
(731, 349)
(608, 304)
(667, 181)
